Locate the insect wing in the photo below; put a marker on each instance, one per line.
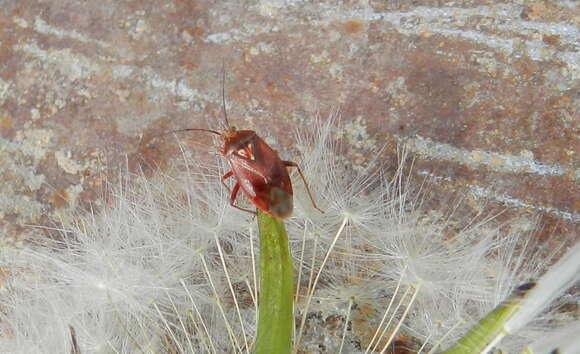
(263, 177)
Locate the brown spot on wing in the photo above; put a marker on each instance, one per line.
(280, 202)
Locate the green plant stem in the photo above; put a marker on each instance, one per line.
(487, 331)
(275, 316)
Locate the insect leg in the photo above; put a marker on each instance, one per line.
(233, 197)
(226, 176)
(294, 164)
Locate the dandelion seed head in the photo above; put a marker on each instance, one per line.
(147, 272)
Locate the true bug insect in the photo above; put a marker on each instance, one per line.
(259, 172)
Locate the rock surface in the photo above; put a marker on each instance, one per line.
(485, 93)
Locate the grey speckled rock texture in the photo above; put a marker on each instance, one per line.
(485, 93)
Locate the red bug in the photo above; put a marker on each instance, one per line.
(259, 172)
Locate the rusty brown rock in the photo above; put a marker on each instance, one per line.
(486, 93)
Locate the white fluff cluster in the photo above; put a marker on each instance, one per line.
(131, 278)
(168, 266)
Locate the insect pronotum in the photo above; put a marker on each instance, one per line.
(258, 170)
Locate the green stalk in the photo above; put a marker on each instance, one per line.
(483, 334)
(489, 330)
(275, 318)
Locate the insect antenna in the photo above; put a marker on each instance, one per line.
(187, 130)
(224, 95)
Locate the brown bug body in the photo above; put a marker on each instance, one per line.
(259, 172)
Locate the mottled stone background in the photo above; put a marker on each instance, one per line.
(486, 93)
